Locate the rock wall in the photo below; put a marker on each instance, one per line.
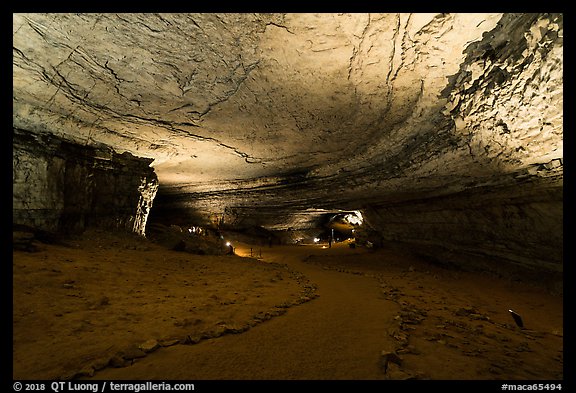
(502, 230)
(506, 104)
(59, 186)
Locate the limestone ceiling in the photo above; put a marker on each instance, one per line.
(225, 100)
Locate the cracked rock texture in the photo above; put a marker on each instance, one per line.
(445, 130)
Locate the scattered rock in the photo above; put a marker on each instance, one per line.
(387, 357)
(558, 333)
(117, 361)
(85, 372)
(233, 329)
(409, 349)
(22, 241)
(262, 316)
(190, 340)
(99, 364)
(396, 373)
(133, 353)
(215, 333)
(149, 346)
(479, 317)
(465, 311)
(169, 342)
(402, 338)
(533, 334)
(411, 317)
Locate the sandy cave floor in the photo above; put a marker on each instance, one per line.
(106, 306)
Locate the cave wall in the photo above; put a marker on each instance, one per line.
(502, 230)
(62, 187)
(506, 105)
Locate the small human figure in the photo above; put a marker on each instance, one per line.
(230, 249)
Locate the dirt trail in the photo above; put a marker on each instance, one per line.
(339, 335)
(109, 307)
(435, 323)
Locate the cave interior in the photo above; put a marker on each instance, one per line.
(442, 133)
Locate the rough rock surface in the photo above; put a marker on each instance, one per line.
(63, 187)
(445, 130)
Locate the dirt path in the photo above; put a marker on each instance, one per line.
(339, 335)
(441, 324)
(109, 307)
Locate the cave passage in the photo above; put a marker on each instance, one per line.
(288, 195)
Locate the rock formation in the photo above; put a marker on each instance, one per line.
(444, 130)
(64, 188)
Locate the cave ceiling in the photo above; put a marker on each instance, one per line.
(302, 111)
